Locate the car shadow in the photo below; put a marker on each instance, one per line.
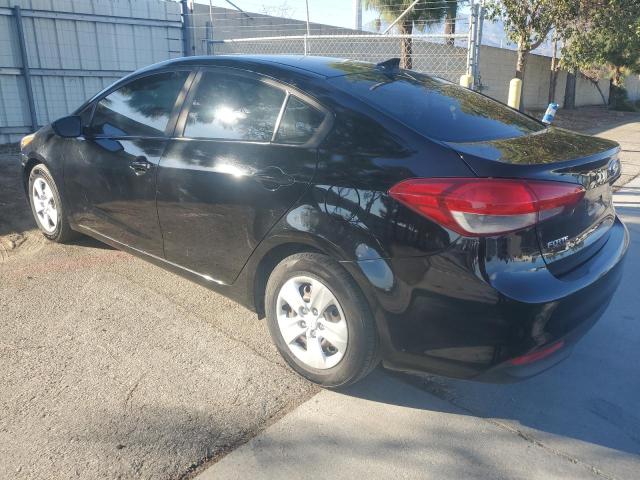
(592, 396)
(89, 242)
(590, 120)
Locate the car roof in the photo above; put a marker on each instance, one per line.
(288, 68)
(324, 67)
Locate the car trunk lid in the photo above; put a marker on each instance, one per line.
(571, 237)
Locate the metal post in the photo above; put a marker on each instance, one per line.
(471, 42)
(357, 14)
(476, 59)
(306, 46)
(25, 68)
(186, 29)
(209, 37)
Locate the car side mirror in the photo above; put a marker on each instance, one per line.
(68, 127)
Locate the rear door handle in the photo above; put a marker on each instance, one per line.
(140, 165)
(273, 178)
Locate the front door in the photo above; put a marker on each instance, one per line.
(248, 152)
(111, 172)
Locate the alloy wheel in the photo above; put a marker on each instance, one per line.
(45, 205)
(312, 322)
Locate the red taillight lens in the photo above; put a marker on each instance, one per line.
(538, 354)
(486, 206)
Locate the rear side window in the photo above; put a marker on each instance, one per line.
(233, 108)
(299, 122)
(436, 108)
(139, 108)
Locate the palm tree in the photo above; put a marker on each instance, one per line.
(423, 12)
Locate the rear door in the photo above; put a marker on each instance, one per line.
(110, 172)
(244, 152)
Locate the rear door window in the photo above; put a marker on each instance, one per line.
(436, 108)
(233, 107)
(140, 108)
(299, 123)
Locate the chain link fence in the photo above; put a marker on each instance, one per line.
(441, 55)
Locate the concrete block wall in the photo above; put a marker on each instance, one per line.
(632, 84)
(498, 66)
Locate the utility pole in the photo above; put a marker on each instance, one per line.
(357, 14)
(187, 30)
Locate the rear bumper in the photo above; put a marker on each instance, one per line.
(458, 315)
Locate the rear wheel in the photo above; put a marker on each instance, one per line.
(46, 206)
(320, 321)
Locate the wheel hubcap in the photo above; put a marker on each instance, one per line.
(312, 322)
(45, 205)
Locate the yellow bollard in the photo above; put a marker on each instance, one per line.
(515, 92)
(466, 81)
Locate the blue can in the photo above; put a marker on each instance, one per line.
(550, 114)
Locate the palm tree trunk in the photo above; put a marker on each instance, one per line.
(406, 46)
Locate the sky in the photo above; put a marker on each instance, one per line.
(331, 12)
(340, 14)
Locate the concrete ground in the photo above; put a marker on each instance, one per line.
(622, 127)
(578, 420)
(113, 368)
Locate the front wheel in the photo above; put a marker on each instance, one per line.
(320, 321)
(46, 206)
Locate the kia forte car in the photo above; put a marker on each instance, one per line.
(370, 213)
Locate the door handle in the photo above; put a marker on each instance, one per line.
(273, 178)
(140, 165)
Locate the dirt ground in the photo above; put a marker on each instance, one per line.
(15, 217)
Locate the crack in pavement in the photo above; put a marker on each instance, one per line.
(441, 391)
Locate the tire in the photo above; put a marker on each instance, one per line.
(308, 274)
(61, 232)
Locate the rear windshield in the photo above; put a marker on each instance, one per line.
(436, 108)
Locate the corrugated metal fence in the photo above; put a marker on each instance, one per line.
(67, 50)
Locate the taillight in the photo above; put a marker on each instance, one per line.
(538, 354)
(486, 206)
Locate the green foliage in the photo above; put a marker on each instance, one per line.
(419, 16)
(607, 34)
(425, 11)
(527, 23)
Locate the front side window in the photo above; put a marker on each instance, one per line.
(139, 108)
(233, 108)
(299, 122)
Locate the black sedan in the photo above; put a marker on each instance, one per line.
(368, 212)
